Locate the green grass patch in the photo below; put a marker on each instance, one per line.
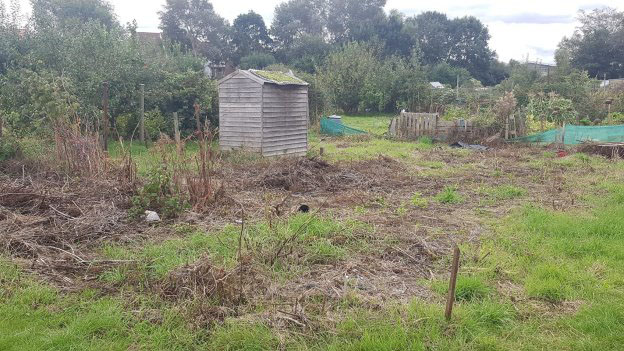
(419, 200)
(317, 237)
(377, 125)
(449, 195)
(502, 192)
(467, 288)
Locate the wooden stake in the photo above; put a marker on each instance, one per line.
(451, 292)
(142, 117)
(176, 131)
(105, 117)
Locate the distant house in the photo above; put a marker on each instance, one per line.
(149, 37)
(612, 83)
(216, 70)
(543, 69)
(437, 85)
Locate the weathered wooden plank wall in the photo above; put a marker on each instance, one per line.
(411, 125)
(285, 120)
(240, 114)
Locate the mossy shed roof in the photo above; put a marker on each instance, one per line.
(269, 77)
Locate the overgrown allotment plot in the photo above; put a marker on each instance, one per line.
(542, 241)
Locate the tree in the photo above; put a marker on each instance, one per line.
(430, 31)
(11, 45)
(447, 74)
(597, 46)
(249, 35)
(296, 18)
(461, 42)
(396, 40)
(354, 20)
(307, 53)
(72, 12)
(469, 46)
(257, 61)
(196, 25)
(345, 75)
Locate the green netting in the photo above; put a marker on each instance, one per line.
(332, 127)
(572, 135)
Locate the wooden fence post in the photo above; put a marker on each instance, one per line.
(176, 131)
(142, 117)
(105, 117)
(453, 281)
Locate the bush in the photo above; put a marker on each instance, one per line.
(9, 148)
(156, 123)
(158, 194)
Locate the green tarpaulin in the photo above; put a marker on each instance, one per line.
(333, 127)
(572, 135)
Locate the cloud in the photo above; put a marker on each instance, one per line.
(532, 18)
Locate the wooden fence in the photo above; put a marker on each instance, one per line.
(411, 125)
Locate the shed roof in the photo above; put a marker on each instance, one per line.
(267, 77)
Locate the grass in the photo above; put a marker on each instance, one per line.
(34, 316)
(501, 192)
(377, 125)
(536, 279)
(315, 239)
(418, 200)
(449, 196)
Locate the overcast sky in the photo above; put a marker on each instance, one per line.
(518, 28)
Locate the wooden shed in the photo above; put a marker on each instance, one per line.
(265, 112)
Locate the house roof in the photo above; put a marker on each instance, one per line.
(437, 85)
(267, 77)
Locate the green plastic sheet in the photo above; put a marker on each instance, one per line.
(332, 127)
(573, 135)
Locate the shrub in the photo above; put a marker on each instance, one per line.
(158, 194)
(9, 148)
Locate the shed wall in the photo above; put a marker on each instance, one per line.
(285, 120)
(240, 114)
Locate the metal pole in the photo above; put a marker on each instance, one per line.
(142, 117)
(452, 283)
(105, 118)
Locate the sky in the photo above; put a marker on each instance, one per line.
(519, 29)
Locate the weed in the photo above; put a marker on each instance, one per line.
(159, 194)
(502, 192)
(419, 201)
(401, 210)
(449, 196)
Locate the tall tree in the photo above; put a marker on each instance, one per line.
(469, 46)
(354, 20)
(196, 25)
(73, 12)
(249, 35)
(461, 42)
(597, 46)
(296, 18)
